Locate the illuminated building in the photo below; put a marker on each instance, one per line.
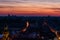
(6, 33)
(27, 25)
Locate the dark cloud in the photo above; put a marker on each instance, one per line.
(6, 6)
(11, 1)
(57, 11)
(53, 8)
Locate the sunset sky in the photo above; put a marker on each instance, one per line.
(30, 7)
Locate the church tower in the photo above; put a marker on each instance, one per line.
(5, 33)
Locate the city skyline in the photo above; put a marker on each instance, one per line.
(30, 7)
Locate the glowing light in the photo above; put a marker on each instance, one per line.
(27, 24)
(42, 37)
(54, 31)
(59, 38)
(24, 29)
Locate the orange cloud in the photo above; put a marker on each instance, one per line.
(29, 11)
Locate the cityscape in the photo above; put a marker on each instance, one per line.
(29, 28)
(29, 19)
